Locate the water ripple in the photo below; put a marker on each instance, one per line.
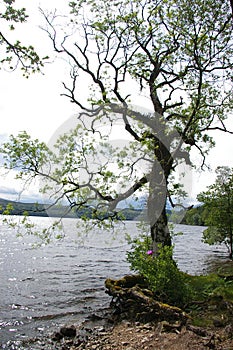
(64, 282)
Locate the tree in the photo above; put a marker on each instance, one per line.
(195, 216)
(218, 202)
(15, 54)
(177, 54)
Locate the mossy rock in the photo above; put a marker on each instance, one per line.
(116, 288)
(133, 300)
(128, 281)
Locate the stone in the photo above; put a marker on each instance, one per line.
(168, 327)
(68, 331)
(125, 343)
(147, 326)
(145, 340)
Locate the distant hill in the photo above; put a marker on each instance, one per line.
(19, 208)
(38, 209)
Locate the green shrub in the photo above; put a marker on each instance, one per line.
(161, 272)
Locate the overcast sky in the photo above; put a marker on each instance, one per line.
(35, 104)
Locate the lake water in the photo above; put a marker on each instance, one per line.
(63, 282)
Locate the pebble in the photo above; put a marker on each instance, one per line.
(138, 330)
(69, 332)
(145, 340)
(125, 343)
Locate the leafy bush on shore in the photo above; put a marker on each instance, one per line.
(161, 272)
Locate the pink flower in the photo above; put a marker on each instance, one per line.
(149, 252)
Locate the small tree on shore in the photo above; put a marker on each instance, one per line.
(218, 201)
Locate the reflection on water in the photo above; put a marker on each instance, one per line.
(64, 282)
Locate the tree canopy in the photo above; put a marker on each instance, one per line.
(176, 54)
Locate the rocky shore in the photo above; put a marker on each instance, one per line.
(137, 336)
(137, 321)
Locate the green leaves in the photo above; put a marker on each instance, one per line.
(161, 272)
(24, 154)
(15, 54)
(218, 202)
(82, 169)
(15, 15)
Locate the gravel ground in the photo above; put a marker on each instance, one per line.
(135, 336)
